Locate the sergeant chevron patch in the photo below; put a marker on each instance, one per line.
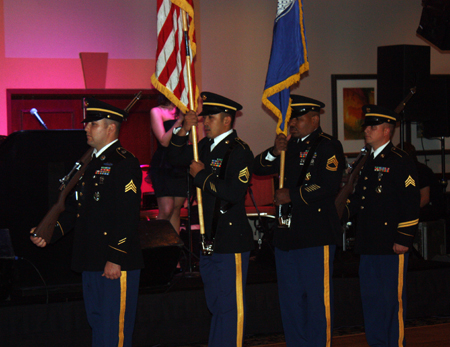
(244, 175)
(213, 187)
(312, 188)
(410, 181)
(131, 186)
(332, 164)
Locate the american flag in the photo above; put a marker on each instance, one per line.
(171, 76)
(288, 60)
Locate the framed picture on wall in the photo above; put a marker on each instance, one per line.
(349, 94)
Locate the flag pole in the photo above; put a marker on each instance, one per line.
(282, 164)
(283, 153)
(194, 128)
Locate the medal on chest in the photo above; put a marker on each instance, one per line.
(381, 171)
(303, 156)
(216, 164)
(104, 170)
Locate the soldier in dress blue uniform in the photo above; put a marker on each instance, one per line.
(304, 252)
(222, 173)
(387, 203)
(104, 214)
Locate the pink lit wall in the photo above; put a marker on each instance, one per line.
(234, 41)
(40, 42)
(63, 28)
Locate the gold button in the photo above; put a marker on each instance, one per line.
(366, 178)
(81, 194)
(83, 183)
(363, 197)
(78, 215)
(105, 233)
(79, 204)
(362, 207)
(385, 223)
(96, 184)
(364, 188)
(319, 210)
(231, 223)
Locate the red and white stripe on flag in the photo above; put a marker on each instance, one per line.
(171, 76)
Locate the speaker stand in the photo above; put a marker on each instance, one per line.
(190, 253)
(443, 180)
(402, 131)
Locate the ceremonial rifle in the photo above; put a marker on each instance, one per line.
(347, 189)
(47, 225)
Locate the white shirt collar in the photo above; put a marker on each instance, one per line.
(304, 138)
(219, 138)
(97, 153)
(379, 149)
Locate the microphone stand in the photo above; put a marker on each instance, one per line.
(400, 111)
(443, 180)
(402, 130)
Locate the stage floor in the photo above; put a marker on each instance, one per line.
(175, 314)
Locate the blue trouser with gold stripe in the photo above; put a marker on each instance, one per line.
(305, 289)
(382, 281)
(224, 277)
(111, 307)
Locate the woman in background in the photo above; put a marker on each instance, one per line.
(169, 182)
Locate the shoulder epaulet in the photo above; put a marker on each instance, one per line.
(123, 152)
(242, 143)
(400, 152)
(328, 137)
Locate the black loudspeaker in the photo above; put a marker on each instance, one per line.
(399, 69)
(434, 23)
(437, 107)
(161, 248)
(7, 257)
(31, 164)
